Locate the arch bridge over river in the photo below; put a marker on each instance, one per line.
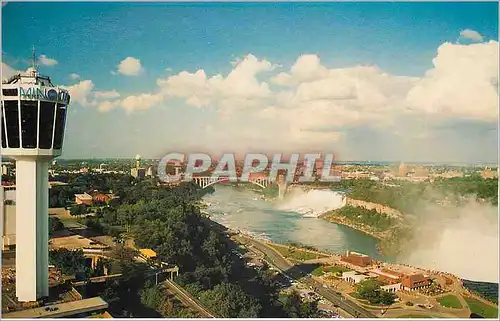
(262, 182)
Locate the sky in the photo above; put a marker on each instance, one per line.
(366, 81)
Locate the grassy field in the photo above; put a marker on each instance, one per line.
(320, 270)
(296, 254)
(450, 301)
(414, 316)
(70, 222)
(481, 308)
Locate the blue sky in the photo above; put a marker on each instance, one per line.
(166, 39)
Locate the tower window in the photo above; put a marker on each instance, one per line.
(60, 122)
(4, 135)
(46, 124)
(29, 123)
(9, 92)
(12, 122)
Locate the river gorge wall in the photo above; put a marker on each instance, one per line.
(381, 209)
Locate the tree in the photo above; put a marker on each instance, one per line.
(70, 262)
(168, 220)
(296, 308)
(78, 210)
(370, 290)
(124, 262)
(229, 301)
(99, 268)
(55, 224)
(110, 294)
(387, 298)
(152, 296)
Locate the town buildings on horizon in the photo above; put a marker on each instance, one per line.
(411, 81)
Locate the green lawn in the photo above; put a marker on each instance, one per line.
(450, 301)
(70, 222)
(481, 308)
(336, 269)
(320, 270)
(414, 316)
(295, 253)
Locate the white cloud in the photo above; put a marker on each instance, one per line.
(141, 102)
(7, 71)
(81, 92)
(307, 67)
(240, 86)
(471, 35)
(463, 83)
(130, 66)
(322, 101)
(46, 61)
(74, 76)
(106, 94)
(106, 106)
(131, 103)
(312, 106)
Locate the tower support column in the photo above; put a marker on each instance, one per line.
(32, 229)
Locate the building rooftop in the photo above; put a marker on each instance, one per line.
(59, 292)
(69, 240)
(356, 254)
(411, 280)
(84, 196)
(148, 253)
(61, 309)
(386, 273)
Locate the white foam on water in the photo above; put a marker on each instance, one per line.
(312, 203)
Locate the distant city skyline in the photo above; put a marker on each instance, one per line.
(416, 82)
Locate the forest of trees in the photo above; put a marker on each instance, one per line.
(168, 220)
(378, 221)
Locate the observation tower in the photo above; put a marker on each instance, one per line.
(33, 122)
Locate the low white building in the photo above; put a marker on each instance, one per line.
(353, 277)
(392, 287)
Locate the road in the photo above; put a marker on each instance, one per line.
(281, 263)
(187, 299)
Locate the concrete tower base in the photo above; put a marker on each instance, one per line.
(32, 229)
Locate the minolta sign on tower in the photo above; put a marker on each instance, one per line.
(33, 121)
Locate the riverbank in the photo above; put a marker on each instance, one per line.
(363, 228)
(330, 216)
(389, 241)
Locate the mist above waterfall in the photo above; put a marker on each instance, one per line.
(458, 239)
(311, 203)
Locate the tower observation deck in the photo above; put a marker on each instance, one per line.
(33, 120)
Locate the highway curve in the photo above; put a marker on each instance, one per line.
(281, 263)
